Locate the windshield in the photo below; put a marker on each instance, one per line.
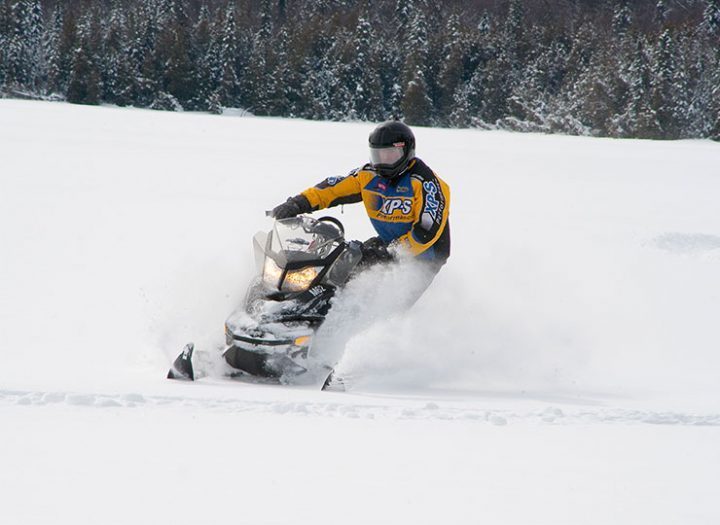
(304, 238)
(295, 241)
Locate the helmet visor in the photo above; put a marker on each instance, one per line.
(386, 156)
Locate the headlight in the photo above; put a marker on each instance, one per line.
(271, 273)
(228, 336)
(299, 280)
(295, 280)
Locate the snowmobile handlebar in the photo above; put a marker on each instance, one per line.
(332, 220)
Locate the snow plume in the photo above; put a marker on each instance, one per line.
(377, 294)
(192, 304)
(527, 316)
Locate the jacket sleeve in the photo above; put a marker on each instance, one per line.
(431, 208)
(334, 191)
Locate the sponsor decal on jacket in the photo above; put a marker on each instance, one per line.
(431, 201)
(332, 181)
(393, 204)
(432, 213)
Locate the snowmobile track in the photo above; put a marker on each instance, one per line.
(409, 410)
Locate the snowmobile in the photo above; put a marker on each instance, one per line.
(302, 263)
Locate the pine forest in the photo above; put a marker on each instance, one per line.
(612, 68)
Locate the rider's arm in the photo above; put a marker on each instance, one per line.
(334, 191)
(431, 207)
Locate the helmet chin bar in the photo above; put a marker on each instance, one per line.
(388, 172)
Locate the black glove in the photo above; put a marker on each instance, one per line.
(375, 251)
(292, 207)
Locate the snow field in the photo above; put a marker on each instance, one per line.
(562, 368)
(189, 465)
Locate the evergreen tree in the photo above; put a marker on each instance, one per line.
(505, 69)
(4, 45)
(258, 79)
(17, 27)
(64, 43)
(452, 69)
(113, 55)
(533, 99)
(468, 101)
(639, 118)
(622, 18)
(283, 95)
(647, 68)
(666, 90)
(180, 73)
(34, 52)
(84, 82)
(711, 18)
(661, 13)
(362, 79)
(207, 64)
(51, 43)
(173, 56)
(711, 102)
(416, 103)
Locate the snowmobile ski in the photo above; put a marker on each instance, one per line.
(182, 367)
(333, 383)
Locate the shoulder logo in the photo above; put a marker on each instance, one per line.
(431, 201)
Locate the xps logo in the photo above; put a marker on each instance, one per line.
(390, 206)
(431, 201)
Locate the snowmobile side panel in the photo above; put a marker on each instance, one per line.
(262, 364)
(251, 362)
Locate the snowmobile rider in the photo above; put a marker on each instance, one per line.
(407, 203)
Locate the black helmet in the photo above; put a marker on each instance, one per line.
(392, 147)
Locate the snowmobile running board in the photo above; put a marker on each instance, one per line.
(182, 367)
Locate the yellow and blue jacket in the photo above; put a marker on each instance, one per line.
(411, 210)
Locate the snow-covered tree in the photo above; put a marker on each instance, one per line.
(711, 18)
(646, 68)
(451, 72)
(667, 88)
(416, 105)
(361, 78)
(84, 84)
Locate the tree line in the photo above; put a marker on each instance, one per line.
(617, 68)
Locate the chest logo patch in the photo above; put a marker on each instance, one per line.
(391, 205)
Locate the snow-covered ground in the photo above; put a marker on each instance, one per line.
(563, 368)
